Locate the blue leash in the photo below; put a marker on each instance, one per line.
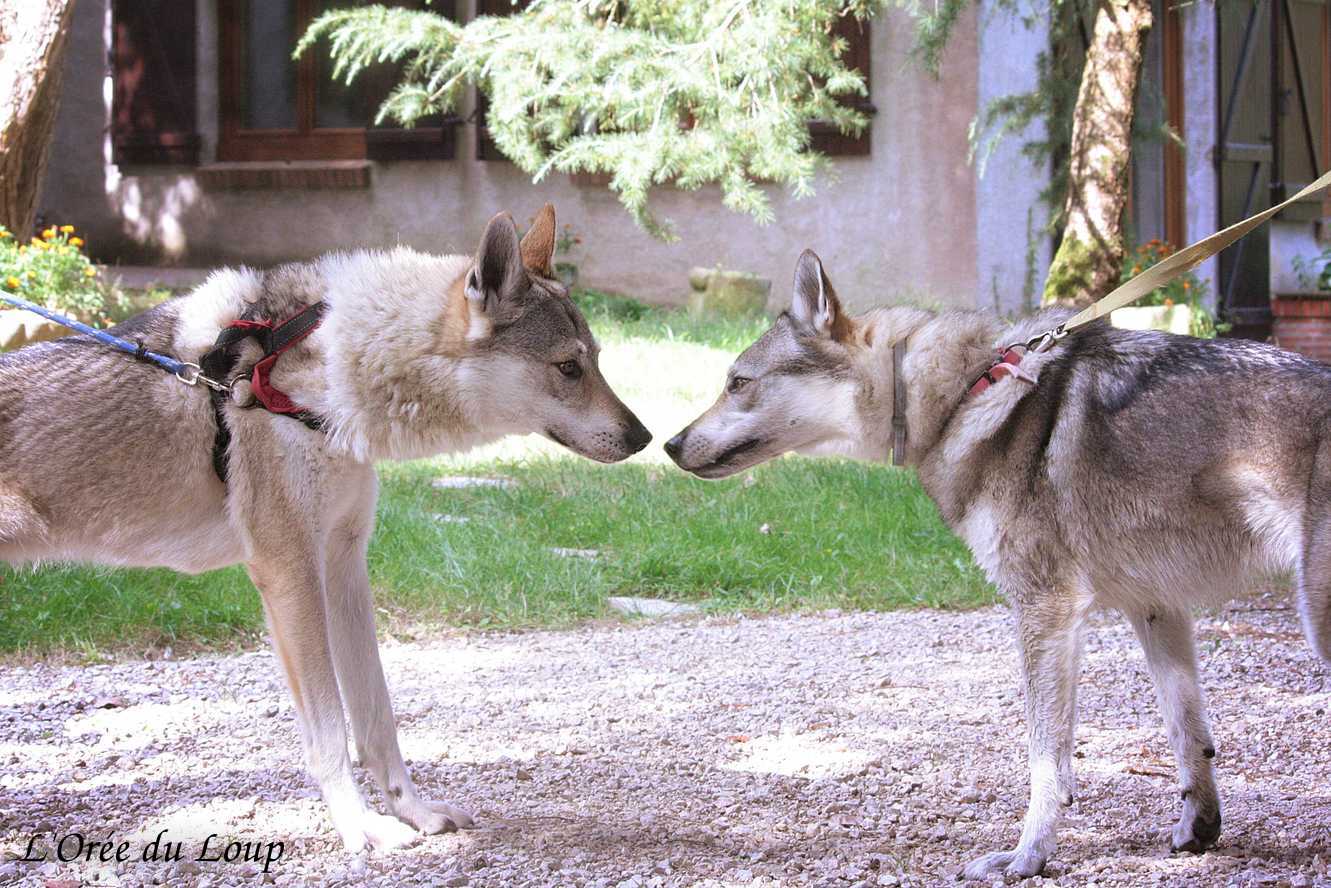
(186, 372)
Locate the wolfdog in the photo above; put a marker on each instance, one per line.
(1138, 471)
(110, 460)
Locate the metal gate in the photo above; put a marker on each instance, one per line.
(1272, 69)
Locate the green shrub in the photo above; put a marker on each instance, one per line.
(1186, 289)
(52, 270)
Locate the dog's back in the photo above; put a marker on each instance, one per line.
(1161, 465)
(106, 458)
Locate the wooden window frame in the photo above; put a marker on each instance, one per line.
(825, 137)
(132, 142)
(486, 149)
(1176, 179)
(307, 141)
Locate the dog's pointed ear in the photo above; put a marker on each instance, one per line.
(538, 245)
(815, 305)
(498, 271)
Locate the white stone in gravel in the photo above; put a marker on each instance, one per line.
(651, 607)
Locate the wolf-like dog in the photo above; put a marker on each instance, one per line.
(109, 460)
(1138, 471)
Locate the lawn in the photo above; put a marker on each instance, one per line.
(794, 534)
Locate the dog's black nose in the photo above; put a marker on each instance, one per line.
(637, 436)
(674, 446)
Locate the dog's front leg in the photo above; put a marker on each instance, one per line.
(291, 584)
(361, 675)
(1166, 637)
(1049, 642)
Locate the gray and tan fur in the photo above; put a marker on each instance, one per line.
(109, 460)
(1137, 471)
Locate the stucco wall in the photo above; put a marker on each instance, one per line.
(900, 220)
(1013, 249)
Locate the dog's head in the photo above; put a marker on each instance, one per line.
(530, 357)
(798, 388)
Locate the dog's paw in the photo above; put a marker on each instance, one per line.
(1197, 831)
(1020, 863)
(378, 831)
(432, 818)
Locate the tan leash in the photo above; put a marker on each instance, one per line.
(1009, 360)
(1165, 271)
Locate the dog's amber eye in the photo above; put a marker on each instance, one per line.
(570, 369)
(737, 383)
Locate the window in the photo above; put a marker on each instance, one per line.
(277, 108)
(153, 108)
(826, 137)
(485, 146)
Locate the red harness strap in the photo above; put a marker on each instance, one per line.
(1007, 364)
(276, 339)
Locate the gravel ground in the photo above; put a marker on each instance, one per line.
(871, 749)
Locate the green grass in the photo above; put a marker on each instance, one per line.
(794, 534)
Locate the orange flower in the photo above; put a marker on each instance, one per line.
(1187, 285)
(48, 234)
(76, 241)
(67, 229)
(1136, 269)
(1168, 302)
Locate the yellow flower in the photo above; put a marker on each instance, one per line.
(11, 282)
(48, 234)
(4, 234)
(67, 229)
(23, 248)
(90, 272)
(76, 241)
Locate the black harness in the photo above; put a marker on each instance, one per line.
(274, 339)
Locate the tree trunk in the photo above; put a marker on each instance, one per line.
(32, 47)
(1090, 258)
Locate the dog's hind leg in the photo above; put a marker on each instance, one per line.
(1167, 638)
(361, 676)
(1314, 575)
(1049, 642)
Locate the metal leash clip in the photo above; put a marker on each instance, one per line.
(1046, 340)
(196, 376)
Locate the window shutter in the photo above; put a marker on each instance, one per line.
(824, 136)
(432, 138)
(485, 146)
(153, 109)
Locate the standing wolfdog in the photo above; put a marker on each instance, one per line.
(110, 460)
(1138, 471)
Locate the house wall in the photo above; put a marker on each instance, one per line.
(902, 221)
(1013, 246)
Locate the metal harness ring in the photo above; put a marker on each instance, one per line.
(195, 377)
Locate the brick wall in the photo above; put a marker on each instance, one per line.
(1302, 323)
